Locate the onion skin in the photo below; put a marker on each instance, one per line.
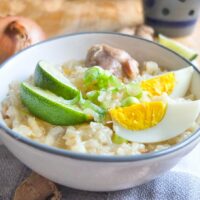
(17, 33)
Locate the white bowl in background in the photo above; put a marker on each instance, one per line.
(172, 18)
(83, 171)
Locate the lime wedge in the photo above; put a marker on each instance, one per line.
(184, 51)
(51, 108)
(48, 77)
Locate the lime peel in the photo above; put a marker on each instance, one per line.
(179, 48)
(46, 76)
(51, 108)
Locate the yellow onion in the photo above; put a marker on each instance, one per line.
(17, 33)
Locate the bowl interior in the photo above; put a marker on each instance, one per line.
(61, 49)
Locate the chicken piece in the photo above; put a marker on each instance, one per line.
(117, 61)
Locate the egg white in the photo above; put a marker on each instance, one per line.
(178, 118)
(183, 79)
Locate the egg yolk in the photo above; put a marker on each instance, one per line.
(157, 85)
(139, 116)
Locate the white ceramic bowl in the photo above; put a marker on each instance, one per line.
(82, 171)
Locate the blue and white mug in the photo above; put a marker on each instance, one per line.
(173, 18)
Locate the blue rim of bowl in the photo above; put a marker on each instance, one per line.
(93, 157)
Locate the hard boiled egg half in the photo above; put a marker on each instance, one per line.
(175, 83)
(150, 122)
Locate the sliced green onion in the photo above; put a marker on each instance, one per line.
(88, 104)
(129, 101)
(75, 100)
(96, 78)
(134, 89)
(93, 96)
(118, 140)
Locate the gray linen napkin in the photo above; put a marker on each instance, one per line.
(170, 186)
